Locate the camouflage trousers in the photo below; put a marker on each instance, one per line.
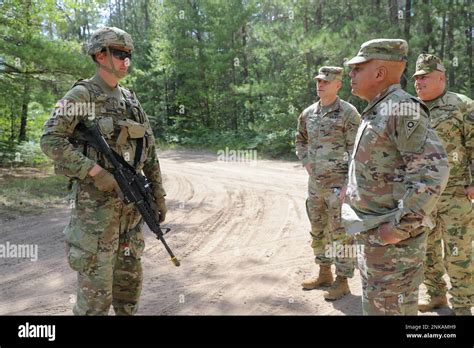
(104, 245)
(390, 274)
(328, 236)
(453, 217)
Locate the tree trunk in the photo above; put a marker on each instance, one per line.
(428, 27)
(350, 13)
(204, 102)
(450, 44)
(24, 111)
(376, 6)
(407, 19)
(443, 36)
(124, 15)
(319, 14)
(393, 11)
(111, 11)
(468, 15)
(308, 57)
(233, 120)
(11, 140)
(147, 17)
(119, 13)
(26, 88)
(246, 69)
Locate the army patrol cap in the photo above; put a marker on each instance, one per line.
(108, 36)
(330, 73)
(427, 63)
(382, 49)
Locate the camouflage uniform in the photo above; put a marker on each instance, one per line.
(452, 117)
(397, 172)
(324, 139)
(104, 239)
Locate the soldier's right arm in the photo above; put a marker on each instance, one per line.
(351, 125)
(57, 131)
(302, 139)
(427, 169)
(468, 110)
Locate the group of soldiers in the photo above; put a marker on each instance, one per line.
(395, 182)
(381, 183)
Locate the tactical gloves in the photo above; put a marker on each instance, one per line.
(105, 181)
(160, 208)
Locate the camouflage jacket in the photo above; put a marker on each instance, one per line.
(122, 121)
(325, 140)
(452, 117)
(398, 168)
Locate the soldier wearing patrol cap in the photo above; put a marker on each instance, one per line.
(104, 239)
(324, 140)
(397, 172)
(452, 117)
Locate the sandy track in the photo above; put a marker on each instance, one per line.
(239, 229)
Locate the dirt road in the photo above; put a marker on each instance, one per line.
(240, 230)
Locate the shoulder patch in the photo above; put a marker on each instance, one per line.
(410, 126)
(412, 134)
(59, 108)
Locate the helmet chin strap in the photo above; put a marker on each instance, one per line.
(112, 70)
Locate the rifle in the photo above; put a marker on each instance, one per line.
(134, 185)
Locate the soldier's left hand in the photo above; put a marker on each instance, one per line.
(387, 233)
(160, 208)
(470, 192)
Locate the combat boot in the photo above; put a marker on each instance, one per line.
(462, 311)
(338, 290)
(324, 279)
(433, 303)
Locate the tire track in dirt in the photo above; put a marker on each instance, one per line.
(240, 231)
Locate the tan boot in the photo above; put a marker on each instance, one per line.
(338, 290)
(324, 279)
(433, 303)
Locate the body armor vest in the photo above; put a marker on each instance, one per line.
(122, 122)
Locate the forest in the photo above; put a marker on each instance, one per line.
(213, 74)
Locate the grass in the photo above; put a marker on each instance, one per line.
(30, 190)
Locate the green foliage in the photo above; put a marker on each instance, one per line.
(215, 73)
(30, 191)
(40, 51)
(27, 154)
(30, 154)
(246, 67)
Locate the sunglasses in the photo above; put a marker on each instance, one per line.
(119, 54)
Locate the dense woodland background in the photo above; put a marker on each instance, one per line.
(210, 73)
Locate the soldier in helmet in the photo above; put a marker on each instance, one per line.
(452, 117)
(397, 173)
(324, 140)
(104, 239)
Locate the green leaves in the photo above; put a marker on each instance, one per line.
(217, 72)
